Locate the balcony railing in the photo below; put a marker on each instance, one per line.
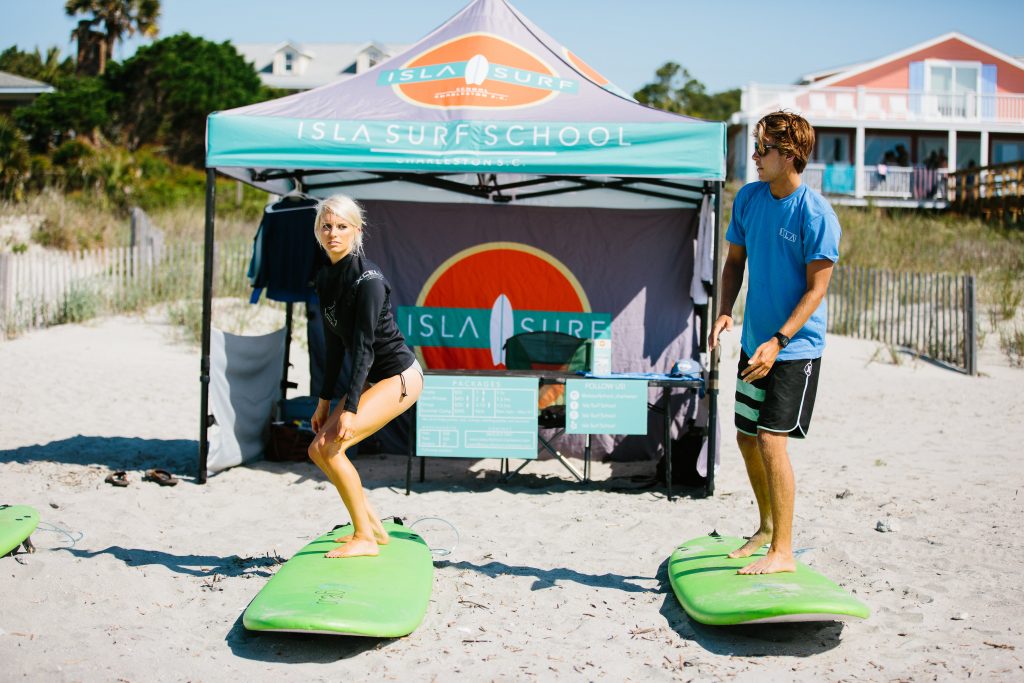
(875, 104)
(897, 182)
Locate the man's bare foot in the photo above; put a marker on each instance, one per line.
(379, 534)
(759, 539)
(357, 547)
(772, 563)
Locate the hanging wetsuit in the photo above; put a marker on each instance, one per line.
(355, 300)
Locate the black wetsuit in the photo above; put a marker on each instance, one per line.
(355, 300)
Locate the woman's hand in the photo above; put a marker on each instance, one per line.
(320, 415)
(346, 427)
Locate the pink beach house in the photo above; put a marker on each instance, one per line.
(889, 130)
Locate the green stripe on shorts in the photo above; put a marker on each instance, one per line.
(746, 411)
(750, 390)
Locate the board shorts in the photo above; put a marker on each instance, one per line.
(782, 401)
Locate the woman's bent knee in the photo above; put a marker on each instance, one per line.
(314, 451)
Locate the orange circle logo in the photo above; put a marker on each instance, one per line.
(476, 71)
(490, 292)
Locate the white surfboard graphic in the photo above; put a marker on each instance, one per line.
(476, 70)
(501, 327)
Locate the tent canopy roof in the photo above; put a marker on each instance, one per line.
(488, 106)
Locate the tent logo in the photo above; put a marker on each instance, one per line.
(481, 296)
(476, 71)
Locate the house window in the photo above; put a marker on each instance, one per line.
(832, 148)
(289, 62)
(931, 151)
(952, 87)
(968, 152)
(1005, 151)
(893, 150)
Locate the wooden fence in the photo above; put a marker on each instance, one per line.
(931, 315)
(994, 193)
(44, 288)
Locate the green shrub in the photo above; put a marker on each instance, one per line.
(81, 303)
(1011, 341)
(14, 160)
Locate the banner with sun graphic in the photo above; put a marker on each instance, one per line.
(464, 281)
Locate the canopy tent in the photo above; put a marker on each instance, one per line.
(485, 111)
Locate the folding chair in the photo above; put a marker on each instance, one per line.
(548, 351)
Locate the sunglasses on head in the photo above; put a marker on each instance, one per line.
(762, 148)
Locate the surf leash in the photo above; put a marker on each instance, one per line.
(439, 552)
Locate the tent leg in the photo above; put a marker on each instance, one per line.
(717, 353)
(204, 362)
(288, 321)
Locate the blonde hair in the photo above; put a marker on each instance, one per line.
(791, 133)
(348, 210)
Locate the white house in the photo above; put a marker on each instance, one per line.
(303, 66)
(16, 91)
(889, 130)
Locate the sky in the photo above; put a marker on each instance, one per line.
(723, 44)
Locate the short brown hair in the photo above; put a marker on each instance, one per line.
(791, 133)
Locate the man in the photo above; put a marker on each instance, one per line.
(789, 236)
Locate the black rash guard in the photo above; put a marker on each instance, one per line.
(355, 300)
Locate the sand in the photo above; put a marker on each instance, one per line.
(549, 580)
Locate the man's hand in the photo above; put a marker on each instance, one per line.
(762, 361)
(722, 324)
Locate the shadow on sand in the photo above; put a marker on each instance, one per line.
(212, 566)
(178, 456)
(801, 639)
(547, 578)
(298, 648)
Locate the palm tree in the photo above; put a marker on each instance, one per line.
(118, 17)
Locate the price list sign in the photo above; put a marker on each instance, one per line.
(477, 417)
(598, 406)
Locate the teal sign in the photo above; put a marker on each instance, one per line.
(686, 148)
(477, 417)
(598, 406)
(470, 328)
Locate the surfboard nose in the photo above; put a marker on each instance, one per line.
(501, 328)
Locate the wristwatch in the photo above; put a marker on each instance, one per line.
(783, 339)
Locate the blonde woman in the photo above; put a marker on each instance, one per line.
(356, 305)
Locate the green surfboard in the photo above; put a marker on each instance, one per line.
(17, 522)
(383, 597)
(709, 589)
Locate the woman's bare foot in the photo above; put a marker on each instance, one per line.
(356, 547)
(772, 563)
(760, 538)
(379, 534)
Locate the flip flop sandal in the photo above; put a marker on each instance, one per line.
(118, 478)
(162, 477)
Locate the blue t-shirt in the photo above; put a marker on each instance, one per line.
(781, 237)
